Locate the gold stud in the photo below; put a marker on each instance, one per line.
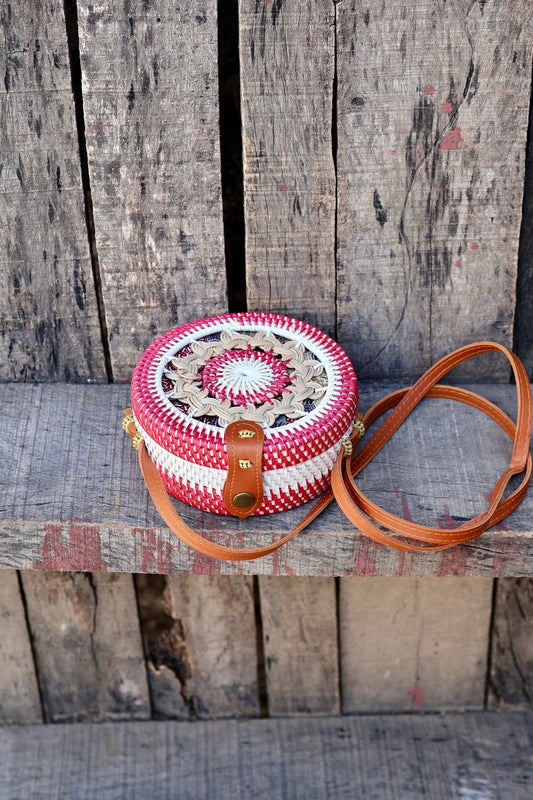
(245, 433)
(243, 500)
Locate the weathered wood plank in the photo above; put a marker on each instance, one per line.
(87, 646)
(511, 660)
(523, 332)
(407, 757)
(300, 643)
(287, 70)
(19, 692)
(218, 621)
(401, 643)
(200, 644)
(432, 117)
(150, 96)
(49, 326)
(73, 499)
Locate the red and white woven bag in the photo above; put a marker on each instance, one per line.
(283, 374)
(256, 413)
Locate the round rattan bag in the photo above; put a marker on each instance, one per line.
(278, 373)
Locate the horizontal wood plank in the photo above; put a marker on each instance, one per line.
(400, 757)
(73, 498)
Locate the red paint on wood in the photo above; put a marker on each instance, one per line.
(446, 107)
(365, 558)
(446, 521)
(453, 562)
(457, 263)
(82, 553)
(474, 246)
(451, 140)
(429, 89)
(506, 552)
(205, 565)
(416, 693)
(282, 188)
(85, 549)
(405, 564)
(278, 567)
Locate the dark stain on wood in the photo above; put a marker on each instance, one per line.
(131, 97)
(381, 214)
(163, 636)
(277, 5)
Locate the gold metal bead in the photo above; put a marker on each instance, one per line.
(348, 448)
(136, 440)
(128, 419)
(359, 427)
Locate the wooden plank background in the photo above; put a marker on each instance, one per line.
(383, 171)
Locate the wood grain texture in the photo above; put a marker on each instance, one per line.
(401, 757)
(87, 646)
(523, 332)
(511, 665)
(300, 643)
(73, 498)
(432, 117)
(19, 694)
(287, 70)
(150, 96)
(200, 646)
(49, 327)
(217, 615)
(401, 643)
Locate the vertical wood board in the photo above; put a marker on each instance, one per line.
(200, 644)
(300, 643)
(432, 117)
(150, 94)
(218, 619)
(523, 333)
(19, 692)
(418, 644)
(287, 72)
(87, 645)
(49, 326)
(511, 665)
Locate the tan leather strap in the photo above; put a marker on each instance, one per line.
(358, 508)
(352, 502)
(243, 489)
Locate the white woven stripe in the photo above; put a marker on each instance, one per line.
(209, 479)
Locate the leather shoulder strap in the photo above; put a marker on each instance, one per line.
(364, 514)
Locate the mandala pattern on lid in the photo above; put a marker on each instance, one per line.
(260, 376)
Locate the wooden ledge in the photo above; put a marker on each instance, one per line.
(72, 497)
(402, 757)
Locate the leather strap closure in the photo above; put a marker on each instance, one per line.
(243, 489)
(362, 512)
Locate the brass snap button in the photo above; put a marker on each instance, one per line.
(243, 500)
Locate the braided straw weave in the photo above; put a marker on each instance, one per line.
(289, 377)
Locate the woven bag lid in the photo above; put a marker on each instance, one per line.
(289, 377)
